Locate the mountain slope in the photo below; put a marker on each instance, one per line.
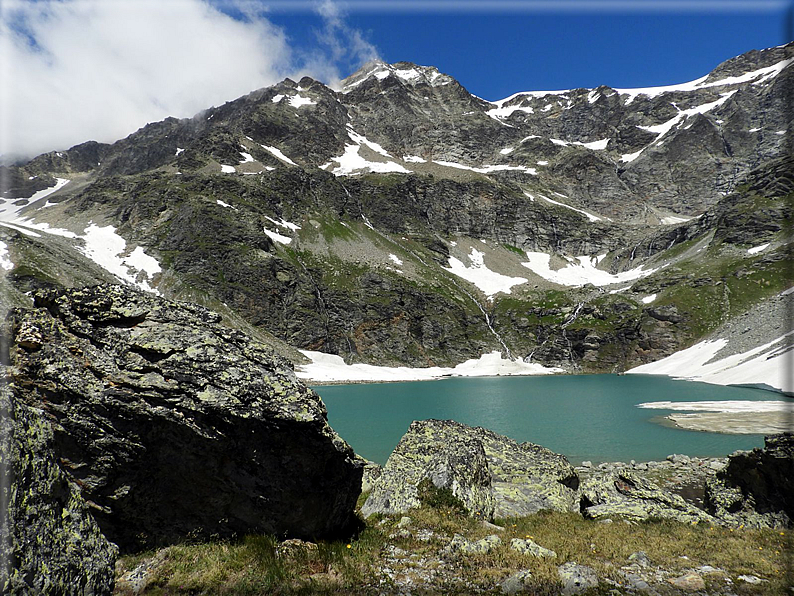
(402, 220)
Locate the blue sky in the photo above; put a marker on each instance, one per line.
(78, 70)
(497, 52)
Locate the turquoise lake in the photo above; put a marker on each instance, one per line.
(585, 417)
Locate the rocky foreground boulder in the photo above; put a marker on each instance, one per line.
(442, 462)
(756, 488)
(176, 427)
(49, 542)
(630, 496)
(490, 475)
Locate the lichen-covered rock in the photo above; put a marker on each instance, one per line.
(491, 475)
(622, 493)
(372, 472)
(174, 426)
(530, 547)
(756, 488)
(459, 545)
(577, 578)
(49, 542)
(518, 582)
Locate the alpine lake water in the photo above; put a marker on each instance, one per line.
(584, 417)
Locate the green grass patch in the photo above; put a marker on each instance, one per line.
(514, 249)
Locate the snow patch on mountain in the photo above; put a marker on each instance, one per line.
(507, 111)
(10, 213)
(100, 244)
(298, 101)
(589, 216)
(5, 259)
(276, 237)
(487, 169)
(106, 248)
(276, 152)
(351, 162)
(762, 75)
(629, 157)
(490, 282)
(362, 140)
(665, 127)
(757, 249)
(674, 219)
(283, 223)
(59, 184)
(593, 145)
(580, 271)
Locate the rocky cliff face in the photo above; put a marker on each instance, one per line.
(174, 426)
(49, 541)
(402, 220)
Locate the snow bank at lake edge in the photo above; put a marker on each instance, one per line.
(329, 368)
(767, 365)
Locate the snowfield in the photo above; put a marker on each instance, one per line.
(490, 282)
(767, 365)
(331, 368)
(582, 272)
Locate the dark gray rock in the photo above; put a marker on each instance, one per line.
(756, 488)
(49, 541)
(491, 475)
(174, 426)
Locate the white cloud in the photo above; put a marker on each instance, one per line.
(77, 70)
(340, 46)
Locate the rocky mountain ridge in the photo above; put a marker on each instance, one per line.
(402, 220)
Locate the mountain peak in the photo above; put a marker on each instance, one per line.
(407, 73)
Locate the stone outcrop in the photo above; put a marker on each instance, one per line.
(756, 488)
(489, 474)
(49, 542)
(174, 426)
(627, 495)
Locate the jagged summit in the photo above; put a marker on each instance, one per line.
(406, 72)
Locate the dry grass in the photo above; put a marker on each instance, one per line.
(254, 566)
